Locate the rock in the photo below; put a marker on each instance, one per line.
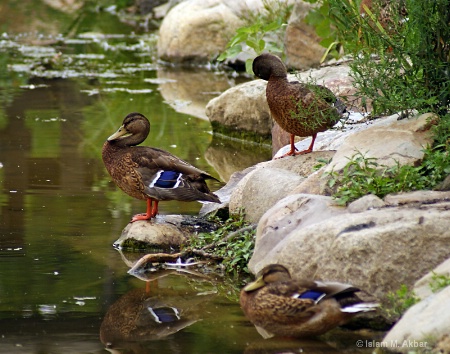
(390, 141)
(444, 185)
(367, 202)
(241, 110)
(289, 214)
(280, 138)
(421, 324)
(260, 189)
(443, 345)
(310, 185)
(224, 193)
(165, 233)
(269, 182)
(196, 31)
(303, 50)
(370, 249)
(417, 197)
(423, 287)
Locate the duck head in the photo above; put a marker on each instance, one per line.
(133, 131)
(272, 273)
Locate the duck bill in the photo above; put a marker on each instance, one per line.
(121, 132)
(257, 284)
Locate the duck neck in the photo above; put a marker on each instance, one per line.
(128, 141)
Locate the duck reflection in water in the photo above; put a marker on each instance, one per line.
(153, 313)
(139, 316)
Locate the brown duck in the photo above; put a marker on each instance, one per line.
(300, 109)
(298, 308)
(148, 173)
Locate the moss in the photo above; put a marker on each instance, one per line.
(131, 244)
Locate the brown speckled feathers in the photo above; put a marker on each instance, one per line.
(298, 308)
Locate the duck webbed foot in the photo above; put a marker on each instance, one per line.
(152, 210)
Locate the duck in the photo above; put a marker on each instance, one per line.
(285, 307)
(299, 109)
(149, 173)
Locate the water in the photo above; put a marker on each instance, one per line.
(63, 287)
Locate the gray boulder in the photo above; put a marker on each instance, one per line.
(196, 31)
(370, 249)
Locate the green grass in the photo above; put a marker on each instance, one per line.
(232, 243)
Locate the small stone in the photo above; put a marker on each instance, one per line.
(367, 202)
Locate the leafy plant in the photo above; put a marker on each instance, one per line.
(254, 38)
(401, 55)
(364, 175)
(400, 301)
(233, 243)
(439, 282)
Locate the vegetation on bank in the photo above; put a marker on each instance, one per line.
(232, 243)
(400, 54)
(400, 61)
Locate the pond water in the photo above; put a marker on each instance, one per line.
(63, 287)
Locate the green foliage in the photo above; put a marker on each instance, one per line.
(321, 162)
(254, 34)
(400, 301)
(364, 175)
(401, 52)
(319, 18)
(439, 282)
(233, 242)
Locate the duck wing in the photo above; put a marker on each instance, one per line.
(166, 177)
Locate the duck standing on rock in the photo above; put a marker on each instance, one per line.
(151, 174)
(300, 109)
(286, 307)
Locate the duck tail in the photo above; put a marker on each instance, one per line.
(340, 106)
(361, 307)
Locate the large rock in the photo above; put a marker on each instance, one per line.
(424, 286)
(270, 181)
(260, 189)
(196, 31)
(241, 110)
(389, 141)
(370, 249)
(290, 213)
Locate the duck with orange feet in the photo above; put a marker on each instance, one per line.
(149, 173)
(299, 109)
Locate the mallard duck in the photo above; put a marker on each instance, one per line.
(300, 109)
(298, 308)
(148, 173)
